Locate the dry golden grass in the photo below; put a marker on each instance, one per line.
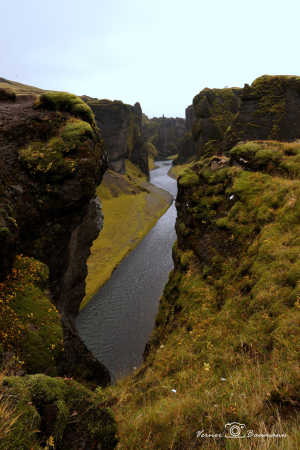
(8, 416)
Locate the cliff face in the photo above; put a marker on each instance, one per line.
(164, 133)
(52, 159)
(186, 145)
(224, 348)
(269, 109)
(214, 111)
(121, 128)
(220, 118)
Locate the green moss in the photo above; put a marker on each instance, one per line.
(63, 101)
(50, 159)
(76, 414)
(188, 178)
(75, 132)
(30, 323)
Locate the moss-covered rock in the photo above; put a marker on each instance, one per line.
(56, 413)
(270, 109)
(63, 101)
(164, 133)
(121, 127)
(214, 111)
(52, 161)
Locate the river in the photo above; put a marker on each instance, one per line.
(117, 322)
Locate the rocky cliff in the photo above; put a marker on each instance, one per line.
(121, 127)
(220, 118)
(269, 109)
(186, 146)
(225, 347)
(214, 111)
(164, 133)
(52, 159)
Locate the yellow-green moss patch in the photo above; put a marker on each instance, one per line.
(63, 101)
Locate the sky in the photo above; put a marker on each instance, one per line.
(160, 53)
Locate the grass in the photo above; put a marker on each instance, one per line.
(19, 88)
(226, 343)
(30, 324)
(8, 416)
(53, 413)
(131, 207)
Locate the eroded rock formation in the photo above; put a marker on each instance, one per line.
(164, 133)
(52, 159)
(186, 146)
(121, 127)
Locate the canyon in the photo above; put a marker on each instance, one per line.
(223, 348)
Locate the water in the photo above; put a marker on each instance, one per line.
(117, 322)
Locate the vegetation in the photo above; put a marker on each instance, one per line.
(30, 325)
(225, 347)
(63, 101)
(55, 159)
(54, 413)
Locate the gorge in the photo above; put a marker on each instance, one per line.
(206, 338)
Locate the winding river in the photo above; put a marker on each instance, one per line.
(117, 322)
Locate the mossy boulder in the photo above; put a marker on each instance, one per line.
(56, 411)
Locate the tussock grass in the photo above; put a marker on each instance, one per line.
(8, 416)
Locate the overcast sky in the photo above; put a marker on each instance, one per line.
(158, 52)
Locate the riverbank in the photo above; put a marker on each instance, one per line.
(131, 206)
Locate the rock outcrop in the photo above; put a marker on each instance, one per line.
(121, 128)
(164, 133)
(214, 111)
(52, 159)
(269, 109)
(220, 118)
(186, 145)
